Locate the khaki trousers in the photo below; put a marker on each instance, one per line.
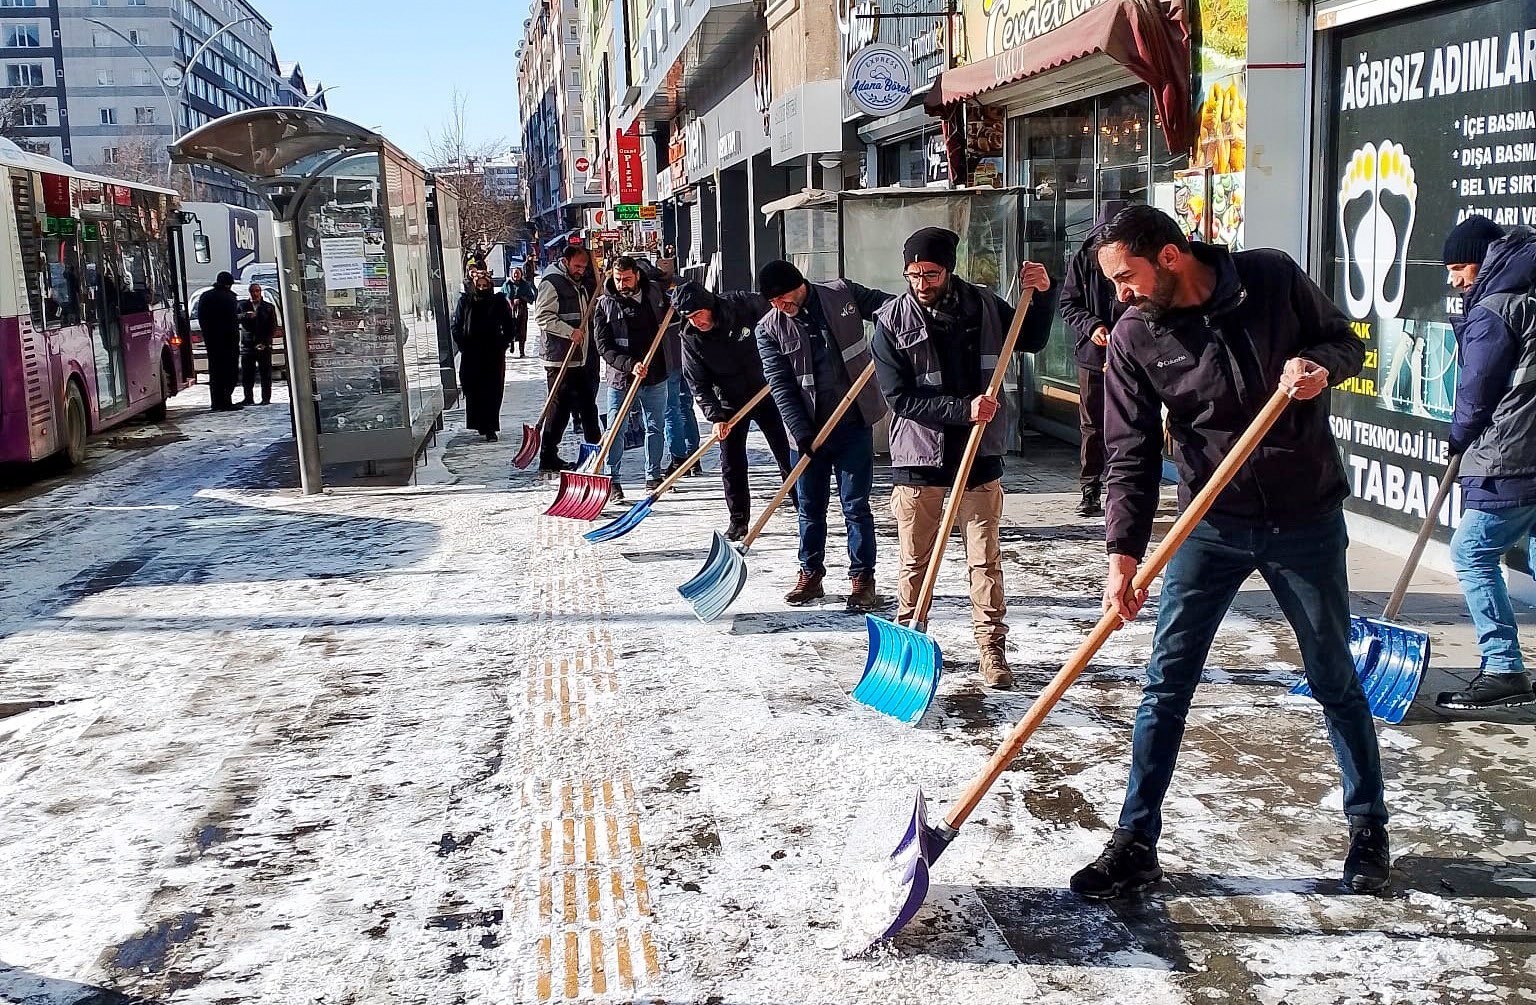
(918, 510)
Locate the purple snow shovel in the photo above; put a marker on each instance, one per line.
(532, 434)
(922, 843)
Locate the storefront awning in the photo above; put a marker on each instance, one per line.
(1148, 37)
(558, 239)
(808, 198)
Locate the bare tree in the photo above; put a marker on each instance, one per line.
(13, 104)
(142, 157)
(485, 216)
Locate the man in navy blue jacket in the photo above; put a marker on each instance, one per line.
(1494, 431)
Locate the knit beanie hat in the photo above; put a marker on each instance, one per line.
(1468, 241)
(691, 296)
(778, 278)
(931, 244)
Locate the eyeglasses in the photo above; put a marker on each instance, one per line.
(923, 278)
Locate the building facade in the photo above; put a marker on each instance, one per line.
(560, 182)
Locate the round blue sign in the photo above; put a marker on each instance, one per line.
(879, 79)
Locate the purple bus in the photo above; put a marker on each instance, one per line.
(93, 321)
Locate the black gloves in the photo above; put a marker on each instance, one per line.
(805, 447)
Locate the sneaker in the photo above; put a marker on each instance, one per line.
(862, 595)
(1090, 505)
(1368, 869)
(652, 484)
(736, 532)
(1128, 865)
(554, 465)
(994, 666)
(807, 589)
(615, 493)
(697, 471)
(1491, 690)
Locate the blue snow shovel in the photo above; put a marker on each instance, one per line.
(902, 670)
(1390, 659)
(630, 519)
(921, 843)
(717, 585)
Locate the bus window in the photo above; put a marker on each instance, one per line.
(62, 294)
(134, 295)
(25, 197)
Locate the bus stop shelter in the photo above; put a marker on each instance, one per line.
(356, 279)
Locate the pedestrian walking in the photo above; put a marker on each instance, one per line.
(724, 370)
(625, 323)
(1208, 336)
(258, 328)
(935, 349)
(1494, 431)
(557, 311)
(520, 295)
(218, 320)
(813, 348)
(1091, 309)
(482, 329)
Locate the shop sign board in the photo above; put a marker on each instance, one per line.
(664, 184)
(626, 211)
(597, 219)
(631, 166)
(694, 154)
(1431, 120)
(807, 120)
(879, 80)
(995, 26)
(647, 211)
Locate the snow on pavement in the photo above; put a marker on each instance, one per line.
(427, 745)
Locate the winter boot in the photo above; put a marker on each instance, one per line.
(615, 494)
(994, 666)
(1090, 505)
(862, 595)
(807, 589)
(1127, 865)
(737, 531)
(1491, 690)
(652, 484)
(554, 465)
(672, 466)
(1368, 868)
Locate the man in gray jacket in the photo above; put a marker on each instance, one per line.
(814, 347)
(935, 349)
(557, 311)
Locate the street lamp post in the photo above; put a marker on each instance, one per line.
(170, 108)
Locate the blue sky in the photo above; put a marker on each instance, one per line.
(395, 64)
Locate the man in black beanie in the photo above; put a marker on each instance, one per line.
(814, 347)
(935, 348)
(724, 371)
(1494, 431)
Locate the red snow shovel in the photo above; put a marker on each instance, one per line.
(904, 882)
(531, 434)
(582, 496)
(904, 663)
(718, 584)
(630, 518)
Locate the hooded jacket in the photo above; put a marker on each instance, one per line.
(722, 365)
(1088, 298)
(1214, 367)
(623, 329)
(1494, 427)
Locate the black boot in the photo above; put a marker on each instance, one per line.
(1090, 504)
(1368, 868)
(737, 531)
(1127, 865)
(1491, 690)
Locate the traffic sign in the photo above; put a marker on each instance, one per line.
(583, 165)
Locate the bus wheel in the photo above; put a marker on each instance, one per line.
(157, 413)
(74, 426)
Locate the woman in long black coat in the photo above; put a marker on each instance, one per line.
(482, 329)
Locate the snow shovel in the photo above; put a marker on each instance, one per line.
(532, 434)
(583, 494)
(720, 581)
(902, 670)
(904, 884)
(630, 518)
(1390, 658)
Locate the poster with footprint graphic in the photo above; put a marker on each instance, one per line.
(1432, 120)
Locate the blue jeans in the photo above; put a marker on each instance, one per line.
(652, 402)
(1477, 551)
(849, 454)
(682, 423)
(1305, 568)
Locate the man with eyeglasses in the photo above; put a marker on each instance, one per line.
(935, 349)
(814, 347)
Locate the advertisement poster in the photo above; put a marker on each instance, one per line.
(1208, 200)
(342, 259)
(1433, 121)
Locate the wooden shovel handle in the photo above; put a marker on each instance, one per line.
(698, 455)
(586, 314)
(617, 427)
(1395, 604)
(1110, 622)
(967, 460)
(805, 462)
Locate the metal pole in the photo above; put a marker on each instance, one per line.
(301, 385)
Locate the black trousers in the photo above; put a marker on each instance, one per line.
(520, 331)
(255, 361)
(733, 456)
(577, 400)
(1090, 418)
(223, 368)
